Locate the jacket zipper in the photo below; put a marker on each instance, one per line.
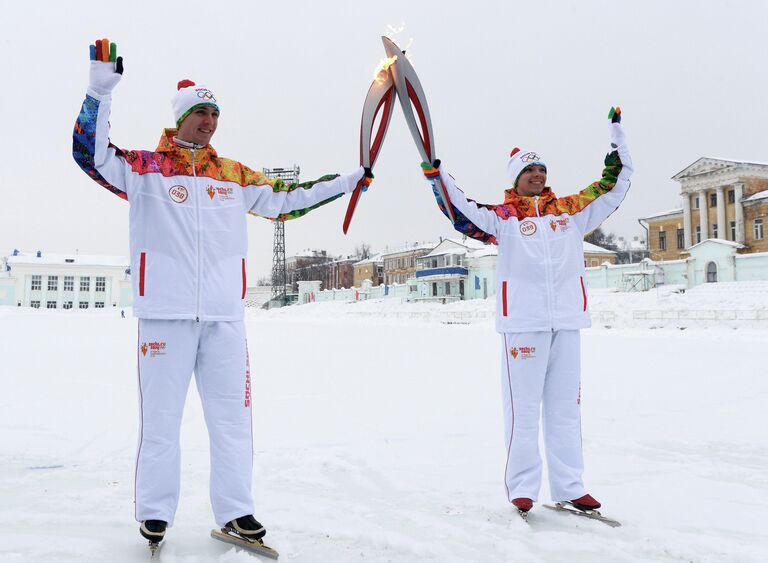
(583, 292)
(199, 252)
(547, 266)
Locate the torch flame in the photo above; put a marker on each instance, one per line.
(380, 74)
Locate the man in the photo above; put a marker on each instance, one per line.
(188, 263)
(541, 306)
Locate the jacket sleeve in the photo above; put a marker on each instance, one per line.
(274, 199)
(92, 150)
(592, 205)
(476, 220)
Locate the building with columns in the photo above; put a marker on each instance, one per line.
(720, 199)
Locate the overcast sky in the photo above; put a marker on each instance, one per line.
(291, 78)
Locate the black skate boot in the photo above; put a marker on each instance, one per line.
(247, 527)
(154, 531)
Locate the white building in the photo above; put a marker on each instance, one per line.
(64, 281)
(442, 273)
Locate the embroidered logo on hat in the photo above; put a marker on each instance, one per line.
(530, 157)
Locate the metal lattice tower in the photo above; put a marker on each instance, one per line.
(289, 175)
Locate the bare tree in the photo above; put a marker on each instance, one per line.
(363, 250)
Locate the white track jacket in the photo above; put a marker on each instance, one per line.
(540, 268)
(187, 216)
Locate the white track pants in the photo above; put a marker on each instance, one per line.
(168, 352)
(542, 368)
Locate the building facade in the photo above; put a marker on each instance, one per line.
(371, 269)
(720, 200)
(65, 281)
(443, 273)
(400, 265)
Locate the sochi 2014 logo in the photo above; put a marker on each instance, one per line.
(223, 193)
(179, 194)
(562, 223)
(527, 228)
(153, 348)
(525, 352)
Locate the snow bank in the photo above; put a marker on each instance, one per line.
(379, 438)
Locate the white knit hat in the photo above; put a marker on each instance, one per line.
(520, 160)
(188, 97)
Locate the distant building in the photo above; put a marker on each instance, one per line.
(400, 265)
(720, 200)
(369, 269)
(305, 267)
(340, 273)
(595, 255)
(65, 281)
(443, 272)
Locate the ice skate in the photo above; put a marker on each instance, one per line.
(154, 531)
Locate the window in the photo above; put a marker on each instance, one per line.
(37, 283)
(757, 229)
(82, 305)
(101, 283)
(34, 304)
(711, 272)
(696, 203)
(85, 284)
(447, 288)
(69, 283)
(713, 200)
(731, 196)
(662, 240)
(434, 289)
(680, 238)
(53, 283)
(99, 305)
(50, 304)
(461, 288)
(733, 231)
(714, 230)
(67, 305)
(698, 233)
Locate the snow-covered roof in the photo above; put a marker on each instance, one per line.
(411, 248)
(718, 241)
(677, 211)
(594, 249)
(62, 259)
(756, 197)
(373, 259)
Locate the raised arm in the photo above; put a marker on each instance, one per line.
(476, 220)
(597, 201)
(275, 199)
(91, 149)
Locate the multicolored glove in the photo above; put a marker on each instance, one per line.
(431, 170)
(617, 131)
(106, 67)
(367, 179)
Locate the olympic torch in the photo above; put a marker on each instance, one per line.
(380, 99)
(412, 98)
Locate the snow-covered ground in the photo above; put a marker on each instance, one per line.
(378, 436)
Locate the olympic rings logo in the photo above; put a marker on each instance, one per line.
(206, 95)
(530, 157)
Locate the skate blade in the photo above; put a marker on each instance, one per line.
(591, 514)
(255, 546)
(154, 550)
